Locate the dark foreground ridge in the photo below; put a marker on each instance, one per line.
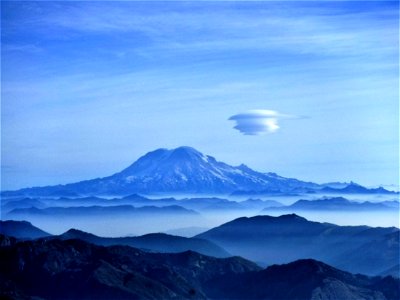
(74, 269)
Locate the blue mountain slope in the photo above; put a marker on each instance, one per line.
(21, 230)
(289, 237)
(155, 242)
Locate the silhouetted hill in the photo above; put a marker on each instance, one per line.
(74, 269)
(158, 242)
(289, 237)
(302, 279)
(21, 230)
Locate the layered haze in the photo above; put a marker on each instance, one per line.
(173, 189)
(200, 150)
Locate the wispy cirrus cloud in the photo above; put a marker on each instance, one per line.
(225, 27)
(259, 121)
(26, 48)
(138, 69)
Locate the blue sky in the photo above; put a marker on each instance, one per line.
(88, 87)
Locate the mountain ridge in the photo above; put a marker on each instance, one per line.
(75, 269)
(336, 204)
(268, 239)
(79, 270)
(155, 242)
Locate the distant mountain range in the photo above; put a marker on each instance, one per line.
(354, 188)
(337, 204)
(268, 240)
(74, 269)
(32, 206)
(101, 211)
(184, 170)
(136, 204)
(344, 188)
(7, 206)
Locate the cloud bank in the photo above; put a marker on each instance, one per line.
(258, 121)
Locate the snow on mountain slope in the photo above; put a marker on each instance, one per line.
(180, 170)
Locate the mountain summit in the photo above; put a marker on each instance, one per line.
(180, 170)
(185, 169)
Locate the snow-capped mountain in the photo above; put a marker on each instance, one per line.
(186, 169)
(180, 170)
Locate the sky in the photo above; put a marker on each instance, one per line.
(89, 87)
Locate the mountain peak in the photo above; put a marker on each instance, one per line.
(244, 167)
(74, 231)
(186, 152)
(180, 170)
(21, 229)
(180, 149)
(311, 265)
(291, 217)
(186, 149)
(265, 219)
(76, 234)
(279, 218)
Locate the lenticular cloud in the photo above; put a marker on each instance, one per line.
(258, 121)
